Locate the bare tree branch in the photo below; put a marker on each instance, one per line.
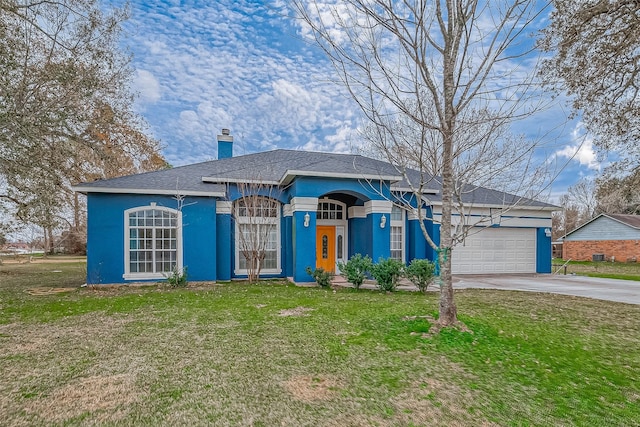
(439, 85)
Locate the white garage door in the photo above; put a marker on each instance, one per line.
(496, 250)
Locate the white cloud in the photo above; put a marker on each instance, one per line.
(213, 66)
(147, 86)
(581, 149)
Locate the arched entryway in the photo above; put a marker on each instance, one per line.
(331, 233)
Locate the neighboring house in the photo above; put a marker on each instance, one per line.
(606, 237)
(325, 208)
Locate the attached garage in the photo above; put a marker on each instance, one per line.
(496, 250)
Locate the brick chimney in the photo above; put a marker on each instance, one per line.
(225, 145)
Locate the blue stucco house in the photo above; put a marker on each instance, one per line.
(326, 208)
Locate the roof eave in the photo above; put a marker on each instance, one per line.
(289, 175)
(89, 189)
(494, 205)
(409, 190)
(217, 180)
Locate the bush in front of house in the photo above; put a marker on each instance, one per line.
(420, 272)
(355, 269)
(177, 278)
(321, 276)
(387, 273)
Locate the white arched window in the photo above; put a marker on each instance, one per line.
(153, 242)
(257, 235)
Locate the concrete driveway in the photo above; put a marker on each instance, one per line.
(591, 287)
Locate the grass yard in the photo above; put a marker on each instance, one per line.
(611, 270)
(275, 354)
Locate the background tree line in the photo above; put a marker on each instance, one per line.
(608, 194)
(65, 112)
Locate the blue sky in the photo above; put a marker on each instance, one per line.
(243, 65)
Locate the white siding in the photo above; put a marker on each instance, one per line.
(517, 217)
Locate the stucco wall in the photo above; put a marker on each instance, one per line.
(583, 250)
(106, 240)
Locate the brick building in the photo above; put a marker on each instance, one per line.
(606, 237)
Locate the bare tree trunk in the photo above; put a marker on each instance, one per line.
(76, 212)
(49, 242)
(448, 313)
(455, 22)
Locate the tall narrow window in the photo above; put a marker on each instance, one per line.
(257, 235)
(152, 242)
(397, 233)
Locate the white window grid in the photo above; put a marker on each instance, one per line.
(261, 216)
(270, 261)
(397, 233)
(152, 242)
(329, 210)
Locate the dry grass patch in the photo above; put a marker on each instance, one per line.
(357, 420)
(432, 401)
(298, 311)
(107, 398)
(68, 370)
(306, 388)
(48, 291)
(42, 339)
(14, 341)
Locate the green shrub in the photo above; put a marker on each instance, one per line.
(321, 276)
(177, 278)
(420, 272)
(387, 273)
(355, 269)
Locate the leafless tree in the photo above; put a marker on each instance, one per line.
(441, 83)
(583, 195)
(596, 60)
(569, 218)
(617, 194)
(65, 107)
(256, 213)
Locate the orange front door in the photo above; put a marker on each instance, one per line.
(326, 247)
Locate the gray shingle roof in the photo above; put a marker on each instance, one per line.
(184, 180)
(275, 165)
(280, 166)
(270, 166)
(474, 195)
(471, 194)
(630, 220)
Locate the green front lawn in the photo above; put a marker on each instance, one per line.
(610, 270)
(275, 354)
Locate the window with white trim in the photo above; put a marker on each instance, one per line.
(257, 234)
(397, 233)
(330, 210)
(153, 242)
